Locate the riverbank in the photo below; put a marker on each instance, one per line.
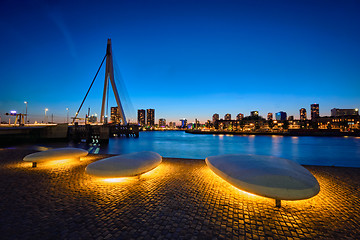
(293, 132)
(180, 199)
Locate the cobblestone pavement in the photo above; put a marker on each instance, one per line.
(181, 199)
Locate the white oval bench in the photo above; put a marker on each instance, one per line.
(267, 176)
(55, 154)
(127, 165)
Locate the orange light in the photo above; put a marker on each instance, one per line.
(118, 180)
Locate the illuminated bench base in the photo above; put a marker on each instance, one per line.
(267, 176)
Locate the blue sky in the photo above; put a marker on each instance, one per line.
(186, 59)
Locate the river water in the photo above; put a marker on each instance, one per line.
(324, 151)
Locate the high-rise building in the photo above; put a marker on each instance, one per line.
(115, 115)
(183, 123)
(227, 116)
(162, 122)
(150, 117)
(302, 114)
(270, 116)
(254, 113)
(336, 112)
(239, 117)
(141, 117)
(281, 116)
(215, 117)
(172, 124)
(314, 111)
(291, 118)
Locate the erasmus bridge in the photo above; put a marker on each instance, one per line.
(103, 130)
(109, 76)
(93, 133)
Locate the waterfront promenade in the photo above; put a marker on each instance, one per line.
(181, 199)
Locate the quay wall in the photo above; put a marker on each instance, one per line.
(317, 133)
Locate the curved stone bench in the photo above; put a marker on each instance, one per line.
(127, 165)
(55, 154)
(267, 176)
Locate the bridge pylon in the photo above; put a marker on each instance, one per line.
(109, 75)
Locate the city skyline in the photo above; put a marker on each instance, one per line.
(314, 114)
(184, 59)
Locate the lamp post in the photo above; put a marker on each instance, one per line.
(26, 112)
(67, 115)
(45, 114)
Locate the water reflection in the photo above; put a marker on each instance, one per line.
(327, 151)
(276, 148)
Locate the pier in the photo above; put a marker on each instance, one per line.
(64, 132)
(101, 133)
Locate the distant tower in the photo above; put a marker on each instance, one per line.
(141, 117)
(150, 117)
(109, 75)
(270, 116)
(227, 116)
(239, 117)
(215, 117)
(314, 111)
(302, 114)
(183, 123)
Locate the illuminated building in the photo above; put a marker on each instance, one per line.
(162, 122)
(93, 119)
(141, 117)
(270, 116)
(197, 124)
(208, 124)
(291, 118)
(336, 112)
(183, 123)
(215, 117)
(172, 124)
(254, 113)
(302, 114)
(115, 115)
(150, 117)
(239, 117)
(314, 111)
(281, 116)
(227, 116)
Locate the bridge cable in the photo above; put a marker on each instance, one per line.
(107, 103)
(89, 89)
(124, 95)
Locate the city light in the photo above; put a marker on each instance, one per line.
(26, 112)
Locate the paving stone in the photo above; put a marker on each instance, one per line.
(181, 199)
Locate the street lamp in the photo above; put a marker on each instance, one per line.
(45, 114)
(67, 115)
(26, 112)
